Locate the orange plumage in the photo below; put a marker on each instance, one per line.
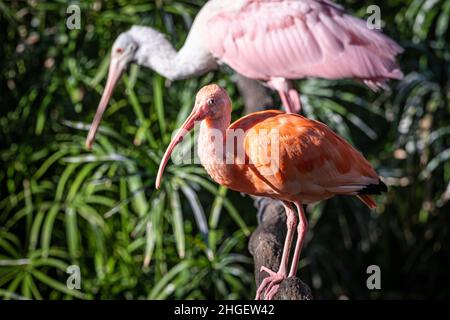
(314, 162)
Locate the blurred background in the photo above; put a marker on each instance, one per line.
(61, 205)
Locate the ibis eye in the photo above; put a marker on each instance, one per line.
(119, 50)
(211, 102)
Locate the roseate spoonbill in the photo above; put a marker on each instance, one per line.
(267, 40)
(312, 163)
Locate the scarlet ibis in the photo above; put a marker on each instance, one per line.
(285, 157)
(271, 41)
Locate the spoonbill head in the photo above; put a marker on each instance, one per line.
(123, 52)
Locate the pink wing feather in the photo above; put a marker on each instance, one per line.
(263, 39)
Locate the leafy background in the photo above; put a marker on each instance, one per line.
(61, 205)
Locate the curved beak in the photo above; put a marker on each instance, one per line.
(197, 114)
(116, 69)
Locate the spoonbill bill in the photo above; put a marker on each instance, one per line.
(285, 157)
(274, 41)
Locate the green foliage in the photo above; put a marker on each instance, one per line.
(62, 205)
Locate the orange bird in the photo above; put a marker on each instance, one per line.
(277, 155)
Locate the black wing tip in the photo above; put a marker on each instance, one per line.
(374, 188)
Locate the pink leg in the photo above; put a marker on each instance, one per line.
(285, 101)
(294, 97)
(289, 96)
(270, 284)
(291, 100)
(302, 228)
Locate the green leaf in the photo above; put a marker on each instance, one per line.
(56, 284)
(72, 233)
(217, 207)
(158, 102)
(197, 208)
(47, 229)
(177, 220)
(162, 284)
(35, 229)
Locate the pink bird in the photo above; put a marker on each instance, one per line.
(277, 155)
(274, 41)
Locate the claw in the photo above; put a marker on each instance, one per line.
(265, 269)
(269, 285)
(272, 292)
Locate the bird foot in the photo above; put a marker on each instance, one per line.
(269, 286)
